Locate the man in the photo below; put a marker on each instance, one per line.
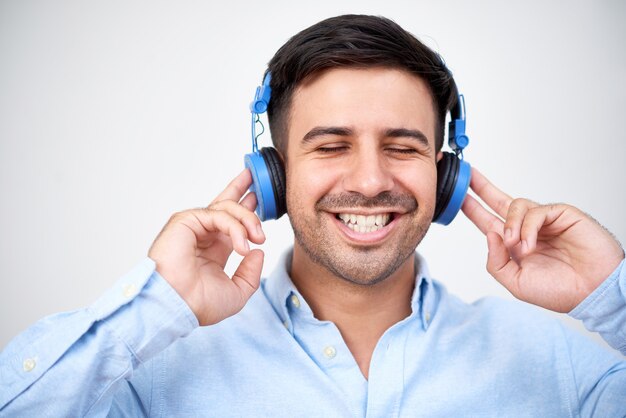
(350, 323)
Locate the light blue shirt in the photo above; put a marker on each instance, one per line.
(138, 351)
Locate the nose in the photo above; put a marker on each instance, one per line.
(368, 173)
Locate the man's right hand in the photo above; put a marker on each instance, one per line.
(192, 249)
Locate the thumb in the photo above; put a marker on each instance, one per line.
(248, 275)
(499, 263)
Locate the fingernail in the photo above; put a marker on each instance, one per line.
(508, 234)
(524, 246)
(259, 231)
(246, 245)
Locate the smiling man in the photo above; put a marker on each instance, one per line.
(350, 323)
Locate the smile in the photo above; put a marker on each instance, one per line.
(365, 223)
(366, 228)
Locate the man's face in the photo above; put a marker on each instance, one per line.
(361, 170)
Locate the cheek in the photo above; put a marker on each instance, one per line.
(421, 182)
(310, 180)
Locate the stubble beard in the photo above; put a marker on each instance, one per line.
(360, 265)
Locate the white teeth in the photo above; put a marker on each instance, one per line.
(364, 224)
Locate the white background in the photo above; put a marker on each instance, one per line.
(115, 114)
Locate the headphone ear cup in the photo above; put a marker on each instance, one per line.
(262, 185)
(277, 174)
(453, 178)
(447, 171)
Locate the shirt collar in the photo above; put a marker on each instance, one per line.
(280, 291)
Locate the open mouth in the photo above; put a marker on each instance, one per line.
(364, 224)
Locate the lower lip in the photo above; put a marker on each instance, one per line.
(374, 237)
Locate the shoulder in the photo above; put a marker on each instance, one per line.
(509, 321)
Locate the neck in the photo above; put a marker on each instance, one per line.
(362, 313)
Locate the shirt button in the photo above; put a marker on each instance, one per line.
(29, 364)
(427, 316)
(295, 301)
(286, 324)
(129, 290)
(330, 351)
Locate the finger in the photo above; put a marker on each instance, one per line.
(500, 265)
(481, 217)
(246, 217)
(533, 221)
(249, 201)
(236, 188)
(495, 198)
(518, 211)
(205, 222)
(248, 275)
(537, 219)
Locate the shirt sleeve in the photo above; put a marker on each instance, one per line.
(599, 376)
(604, 310)
(71, 364)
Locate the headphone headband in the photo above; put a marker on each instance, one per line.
(457, 140)
(262, 96)
(259, 105)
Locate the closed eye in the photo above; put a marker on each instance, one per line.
(328, 150)
(403, 150)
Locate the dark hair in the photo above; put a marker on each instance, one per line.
(354, 41)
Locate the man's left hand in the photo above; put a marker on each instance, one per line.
(552, 256)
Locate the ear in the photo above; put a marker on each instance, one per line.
(439, 156)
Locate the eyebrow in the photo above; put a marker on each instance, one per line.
(408, 133)
(326, 130)
(344, 131)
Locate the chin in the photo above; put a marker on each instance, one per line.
(358, 264)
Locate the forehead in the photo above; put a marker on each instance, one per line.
(363, 99)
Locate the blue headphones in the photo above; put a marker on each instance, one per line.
(268, 171)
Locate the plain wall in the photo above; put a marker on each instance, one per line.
(115, 114)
